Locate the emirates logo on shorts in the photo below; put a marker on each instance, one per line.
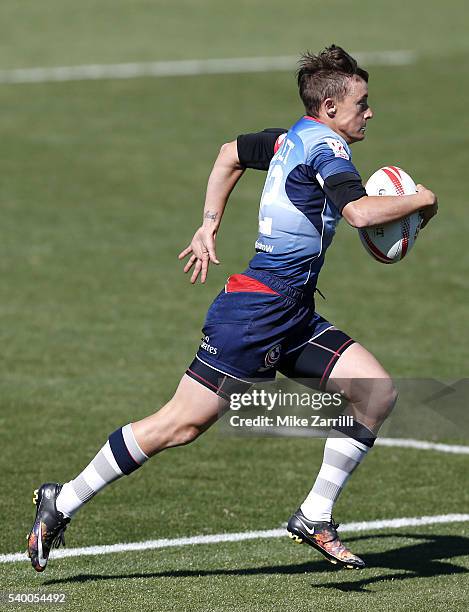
(273, 356)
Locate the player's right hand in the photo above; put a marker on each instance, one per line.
(202, 252)
(430, 204)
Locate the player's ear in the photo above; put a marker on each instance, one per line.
(330, 107)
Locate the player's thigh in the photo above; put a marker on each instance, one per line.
(191, 411)
(311, 359)
(361, 378)
(194, 404)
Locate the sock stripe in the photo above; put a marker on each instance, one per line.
(353, 451)
(134, 449)
(72, 500)
(342, 454)
(124, 459)
(326, 489)
(82, 489)
(338, 460)
(104, 469)
(107, 452)
(92, 478)
(116, 458)
(334, 475)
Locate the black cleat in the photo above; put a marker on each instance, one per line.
(49, 525)
(323, 537)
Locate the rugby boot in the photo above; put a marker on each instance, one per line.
(49, 525)
(323, 537)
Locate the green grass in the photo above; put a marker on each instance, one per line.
(62, 32)
(410, 569)
(102, 184)
(197, 489)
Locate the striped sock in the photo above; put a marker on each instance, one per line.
(344, 450)
(121, 455)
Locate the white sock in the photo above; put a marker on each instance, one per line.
(342, 454)
(121, 455)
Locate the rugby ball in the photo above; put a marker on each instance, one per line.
(390, 242)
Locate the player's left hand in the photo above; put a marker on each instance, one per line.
(431, 204)
(202, 252)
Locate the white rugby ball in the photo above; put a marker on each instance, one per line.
(390, 242)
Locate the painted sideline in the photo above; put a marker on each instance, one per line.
(237, 537)
(456, 449)
(186, 67)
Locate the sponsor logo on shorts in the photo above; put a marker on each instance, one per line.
(272, 356)
(205, 344)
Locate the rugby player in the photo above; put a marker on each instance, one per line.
(264, 319)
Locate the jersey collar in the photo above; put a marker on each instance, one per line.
(313, 119)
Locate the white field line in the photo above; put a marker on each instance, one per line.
(456, 449)
(237, 537)
(185, 67)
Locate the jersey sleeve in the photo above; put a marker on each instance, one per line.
(256, 150)
(330, 156)
(335, 172)
(343, 188)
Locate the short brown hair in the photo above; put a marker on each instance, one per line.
(326, 75)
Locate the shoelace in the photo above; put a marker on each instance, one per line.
(334, 526)
(59, 539)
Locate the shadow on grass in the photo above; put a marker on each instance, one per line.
(425, 558)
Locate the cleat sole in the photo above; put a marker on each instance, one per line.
(35, 496)
(297, 534)
(328, 557)
(295, 538)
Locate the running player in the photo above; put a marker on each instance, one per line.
(264, 320)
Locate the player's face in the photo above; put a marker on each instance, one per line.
(352, 112)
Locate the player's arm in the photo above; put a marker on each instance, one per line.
(226, 172)
(376, 210)
(247, 151)
(342, 184)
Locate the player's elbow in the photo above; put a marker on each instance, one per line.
(228, 154)
(356, 214)
(226, 148)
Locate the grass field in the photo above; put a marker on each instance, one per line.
(102, 185)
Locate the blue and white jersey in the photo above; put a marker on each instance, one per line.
(297, 220)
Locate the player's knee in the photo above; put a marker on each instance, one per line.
(383, 398)
(387, 397)
(185, 434)
(374, 397)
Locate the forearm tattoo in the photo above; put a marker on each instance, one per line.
(211, 215)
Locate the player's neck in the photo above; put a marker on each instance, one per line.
(331, 123)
